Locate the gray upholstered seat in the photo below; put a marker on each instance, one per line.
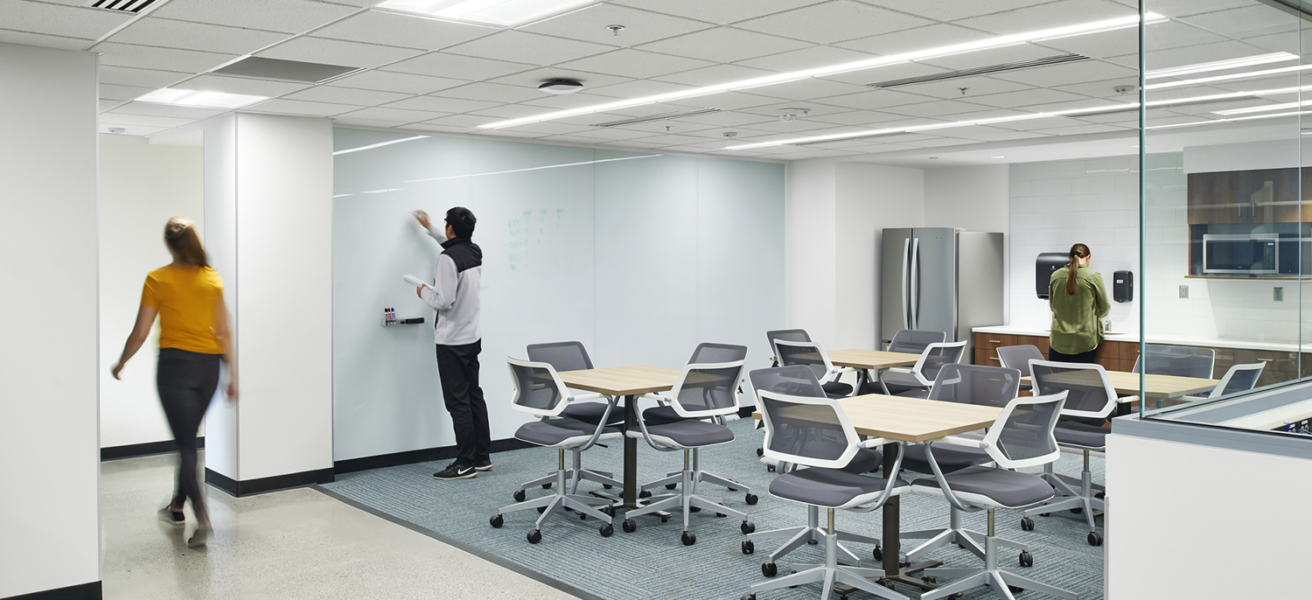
(837, 389)
(689, 433)
(865, 461)
(591, 412)
(1008, 488)
(661, 415)
(557, 431)
(950, 457)
(1081, 435)
(826, 487)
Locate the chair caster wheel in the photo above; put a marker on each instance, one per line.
(930, 579)
(732, 489)
(694, 509)
(1027, 524)
(1095, 538)
(583, 517)
(546, 486)
(607, 530)
(520, 495)
(748, 597)
(629, 526)
(542, 509)
(1026, 559)
(749, 547)
(534, 536)
(769, 468)
(609, 510)
(1100, 495)
(769, 569)
(670, 486)
(760, 451)
(1045, 514)
(665, 519)
(1076, 511)
(606, 486)
(879, 554)
(812, 542)
(886, 582)
(496, 522)
(1015, 590)
(689, 538)
(644, 494)
(720, 515)
(752, 499)
(747, 527)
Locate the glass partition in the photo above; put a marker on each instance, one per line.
(1225, 257)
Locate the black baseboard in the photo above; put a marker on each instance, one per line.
(86, 591)
(147, 449)
(248, 487)
(417, 456)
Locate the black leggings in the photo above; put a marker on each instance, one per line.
(186, 382)
(1089, 357)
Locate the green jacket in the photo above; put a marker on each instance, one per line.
(1077, 318)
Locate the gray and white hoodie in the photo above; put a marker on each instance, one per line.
(454, 292)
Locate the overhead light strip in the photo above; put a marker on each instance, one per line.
(860, 65)
(1221, 65)
(573, 164)
(1012, 66)
(1257, 109)
(203, 98)
(1221, 78)
(1230, 120)
(379, 145)
(660, 117)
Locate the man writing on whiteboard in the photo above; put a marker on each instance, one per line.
(454, 294)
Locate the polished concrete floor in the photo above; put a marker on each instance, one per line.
(287, 545)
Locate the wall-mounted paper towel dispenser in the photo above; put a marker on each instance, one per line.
(1123, 286)
(1044, 265)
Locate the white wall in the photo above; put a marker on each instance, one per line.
(220, 155)
(49, 447)
(1176, 509)
(142, 185)
(974, 199)
(809, 267)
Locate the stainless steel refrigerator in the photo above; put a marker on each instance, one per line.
(940, 279)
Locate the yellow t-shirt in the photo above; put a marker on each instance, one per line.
(185, 297)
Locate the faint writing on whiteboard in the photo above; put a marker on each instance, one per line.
(530, 233)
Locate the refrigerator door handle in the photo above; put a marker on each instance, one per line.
(915, 282)
(906, 272)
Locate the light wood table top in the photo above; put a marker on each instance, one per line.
(872, 359)
(1155, 385)
(913, 419)
(622, 381)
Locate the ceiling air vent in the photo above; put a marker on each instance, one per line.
(662, 116)
(1025, 64)
(1163, 104)
(131, 6)
(284, 70)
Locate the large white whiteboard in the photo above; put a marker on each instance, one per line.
(638, 256)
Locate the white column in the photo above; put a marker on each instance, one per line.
(268, 214)
(49, 444)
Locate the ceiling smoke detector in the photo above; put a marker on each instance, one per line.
(791, 114)
(1125, 89)
(116, 130)
(731, 134)
(560, 86)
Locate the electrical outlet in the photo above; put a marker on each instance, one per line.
(1184, 291)
(1278, 294)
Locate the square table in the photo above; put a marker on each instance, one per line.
(909, 420)
(1155, 385)
(629, 382)
(869, 360)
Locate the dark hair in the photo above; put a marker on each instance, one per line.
(461, 220)
(180, 236)
(1078, 251)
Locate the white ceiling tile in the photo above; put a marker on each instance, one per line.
(996, 56)
(163, 59)
(507, 134)
(168, 110)
(728, 100)
(139, 77)
(951, 10)
(635, 63)
(550, 103)
(798, 128)
(1177, 57)
(530, 48)
(921, 38)
(135, 130)
(875, 99)
(535, 77)
(718, 12)
(301, 108)
(67, 21)
(725, 44)
(549, 128)
(375, 123)
(344, 95)
(1277, 42)
(806, 58)
(458, 67)
(983, 133)
(1049, 15)
(44, 41)
(1184, 8)
(122, 92)
(463, 122)
(673, 140)
(117, 118)
(726, 118)
(1034, 124)
(397, 29)
(1081, 129)
(885, 73)
(1025, 98)
(392, 114)
(939, 143)
(640, 26)
(441, 105)
(493, 92)
(1073, 105)
(1088, 70)
(195, 36)
(404, 83)
(509, 111)
(638, 89)
(436, 128)
(104, 105)
(240, 85)
(857, 117)
(713, 75)
(947, 109)
(974, 87)
(1102, 89)
(288, 16)
(612, 134)
(810, 88)
(833, 22)
(1255, 19)
(337, 52)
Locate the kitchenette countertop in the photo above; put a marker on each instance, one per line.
(1133, 337)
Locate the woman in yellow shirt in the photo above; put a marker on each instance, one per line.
(187, 295)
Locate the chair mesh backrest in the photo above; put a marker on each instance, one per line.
(1018, 357)
(709, 389)
(975, 384)
(1087, 392)
(803, 354)
(788, 335)
(915, 342)
(797, 381)
(1241, 379)
(1184, 361)
(793, 381)
(1026, 433)
(804, 430)
(937, 357)
(535, 388)
(717, 353)
(563, 356)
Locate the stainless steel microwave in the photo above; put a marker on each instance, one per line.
(1241, 253)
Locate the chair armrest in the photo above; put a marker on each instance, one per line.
(875, 442)
(584, 397)
(1127, 399)
(656, 397)
(960, 441)
(902, 370)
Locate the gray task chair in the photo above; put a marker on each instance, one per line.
(1019, 357)
(705, 352)
(911, 341)
(1021, 437)
(789, 335)
(1090, 399)
(1182, 361)
(540, 392)
(962, 384)
(571, 356)
(703, 391)
(925, 370)
(800, 381)
(824, 483)
(1240, 378)
(812, 356)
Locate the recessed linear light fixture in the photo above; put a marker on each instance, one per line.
(1013, 66)
(1231, 120)
(1220, 65)
(507, 13)
(379, 145)
(1220, 78)
(200, 98)
(1257, 109)
(860, 65)
(660, 117)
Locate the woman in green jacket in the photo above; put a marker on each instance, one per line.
(1079, 303)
